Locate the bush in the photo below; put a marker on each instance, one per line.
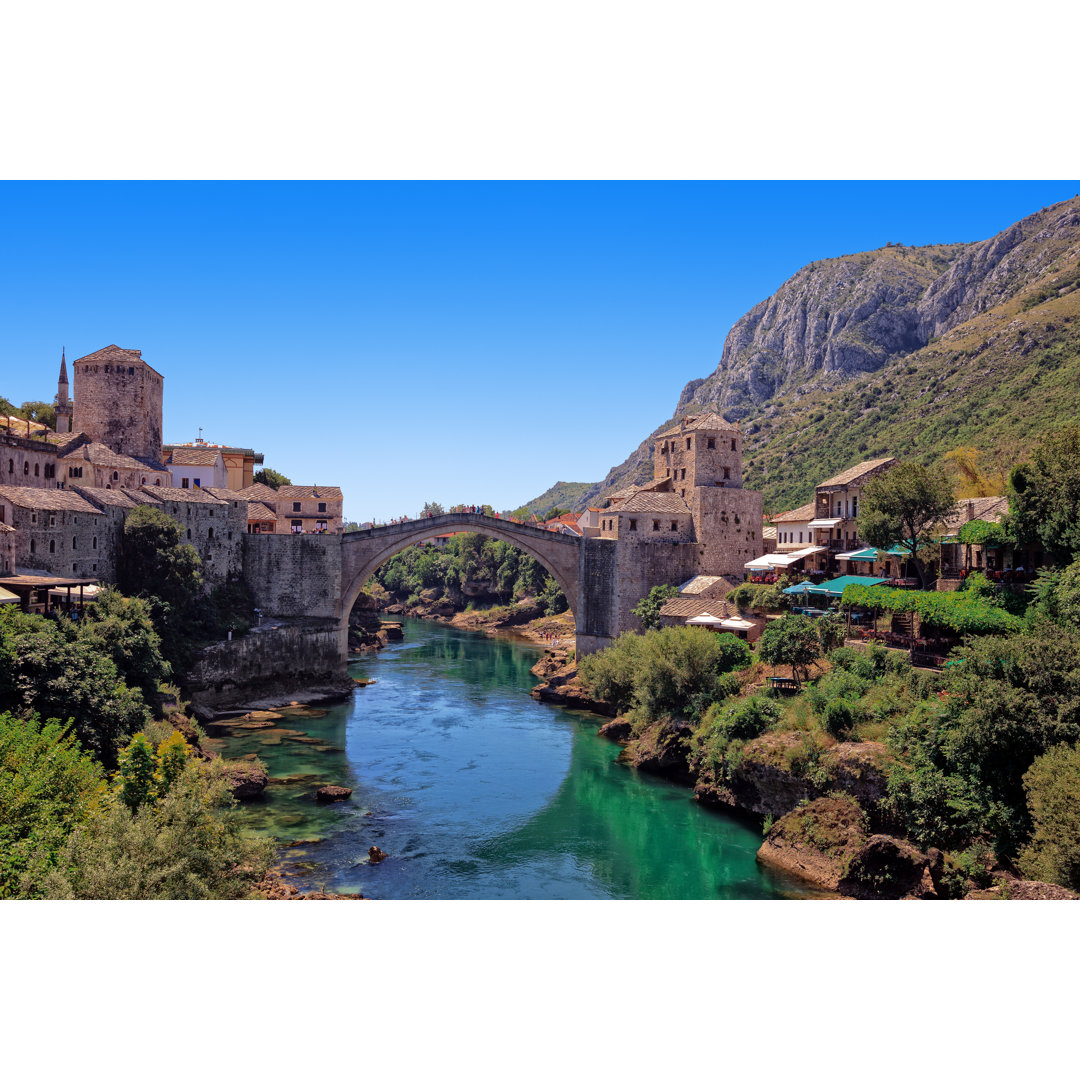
(676, 671)
(48, 785)
(840, 718)
(1052, 785)
(791, 640)
(186, 845)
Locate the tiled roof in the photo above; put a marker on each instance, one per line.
(47, 499)
(986, 508)
(709, 421)
(257, 511)
(261, 492)
(4, 527)
(98, 453)
(800, 513)
(768, 532)
(849, 476)
(303, 491)
(141, 494)
(113, 354)
(109, 496)
(186, 495)
(685, 607)
(193, 455)
(63, 440)
(702, 584)
(659, 502)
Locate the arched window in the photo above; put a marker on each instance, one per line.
(115, 475)
(33, 546)
(210, 531)
(74, 543)
(95, 543)
(52, 547)
(37, 469)
(26, 468)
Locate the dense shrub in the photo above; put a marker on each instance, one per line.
(677, 671)
(1052, 785)
(792, 640)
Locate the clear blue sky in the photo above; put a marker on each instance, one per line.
(412, 341)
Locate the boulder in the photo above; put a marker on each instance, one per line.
(247, 778)
(816, 841)
(618, 730)
(888, 868)
(332, 793)
(376, 855)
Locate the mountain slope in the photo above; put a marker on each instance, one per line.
(906, 351)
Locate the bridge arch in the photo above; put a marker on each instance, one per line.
(363, 552)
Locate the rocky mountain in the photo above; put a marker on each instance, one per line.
(839, 362)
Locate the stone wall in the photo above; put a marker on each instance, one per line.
(70, 538)
(267, 661)
(640, 566)
(294, 575)
(699, 464)
(119, 402)
(7, 550)
(729, 525)
(27, 462)
(215, 529)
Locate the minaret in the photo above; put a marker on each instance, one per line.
(63, 402)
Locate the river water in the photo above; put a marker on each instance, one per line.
(477, 791)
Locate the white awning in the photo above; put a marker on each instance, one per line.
(737, 624)
(778, 559)
(862, 555)
(704, 619)
(825, 523)
(8, 597)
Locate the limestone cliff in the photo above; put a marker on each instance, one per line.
(835, 365)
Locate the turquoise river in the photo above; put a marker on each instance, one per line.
(477, 791)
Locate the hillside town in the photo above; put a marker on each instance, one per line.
(65, 493)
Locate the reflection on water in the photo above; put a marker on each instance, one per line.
(476, 791)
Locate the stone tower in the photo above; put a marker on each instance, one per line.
(63, 401)
(118, 401)
(702, 451)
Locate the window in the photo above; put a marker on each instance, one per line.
(11, 465)
(52, 519)
(74, 543)
(712, 444)
(36, 469)
(52, 547)
(656, 526)
(297, 526)
(197, 482)
(727, 473)
(674, 526)
(687, 444)
(184, 482)
(633, 524)
(682, 493)
(33, 546)
(296, 508)
(33, 517)
(322, 508)
(683, 476)
(26, 468)
(115, 475)
(189, 534)
(94, 544)
(732, 444)
(320, 526)
(210, 533)
(230, 534)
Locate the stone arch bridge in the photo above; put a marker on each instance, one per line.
(584, 568)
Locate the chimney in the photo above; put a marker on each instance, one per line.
(970, 510)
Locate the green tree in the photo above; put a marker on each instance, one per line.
(1045, 495)
(40, 412)
(792, 640)
(46, 668)
(188, 845)
(648, 607)
(156, 561)
(903, 506)
(1056, 595)
(271, 478)
(1052, 785)
(432, 508)
(121, 628)
(138, 783)
(48, 786)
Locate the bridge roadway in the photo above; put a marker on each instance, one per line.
(583, 570)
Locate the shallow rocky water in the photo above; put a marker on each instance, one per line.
(477, 791)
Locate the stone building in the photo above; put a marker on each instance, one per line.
(196, 467)
(693, 518)
(303, 509)
(28, 460)
(118, 402)
(56, 531)
(239, 463)
(84, 462)
(7, 549)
